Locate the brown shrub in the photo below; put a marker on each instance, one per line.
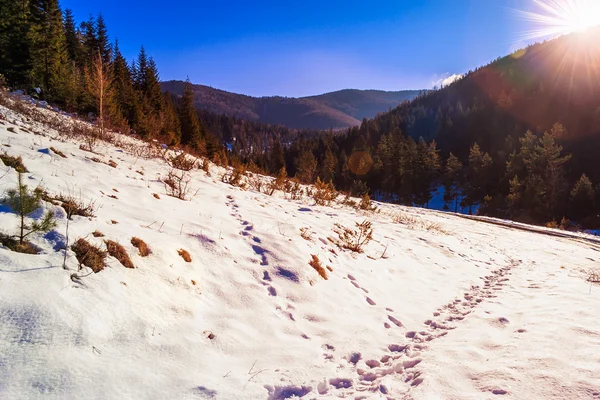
(324, 193)
(185, 255)
(181, 161)
(354, 239)
(177, 184)
(118, 252)
(13, 162)
(97, 233)
(366, 203)
(89, 255)
(142, 247)
(316, 264)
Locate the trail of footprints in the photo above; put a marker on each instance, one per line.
(402, 360)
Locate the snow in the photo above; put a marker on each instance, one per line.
(437, 307)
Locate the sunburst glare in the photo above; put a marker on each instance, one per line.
(558, 17)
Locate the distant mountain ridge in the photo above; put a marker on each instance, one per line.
(335, 110)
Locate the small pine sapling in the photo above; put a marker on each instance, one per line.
(24, 202)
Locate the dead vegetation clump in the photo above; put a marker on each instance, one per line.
(306, 233)
(13, 162)
(58, 152)
(278, 183)
(15, 245)
(324, 193)
(72, 205)
(181, 161)
(88, 254)
(142, 247)
(366, 204)
(97, 233)
(156, 196)
(412, 222)
(256, 182)
(235, 176)
(117, 251)
(316, 264)
(185, 255)
(593, 276)
(177, 184)
(111, 163)
(354, 239)
(292, 190)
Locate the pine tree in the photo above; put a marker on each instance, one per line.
(582, 197)
(190, 127)
(327, 166)
(48, 48)
(15, 43)
(74, 48)
(477, 182)
(306, 167)
(102, 40)
(276, 157)
(24, 202)
(125, 96)
(453, 180)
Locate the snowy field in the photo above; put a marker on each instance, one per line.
(437, 307)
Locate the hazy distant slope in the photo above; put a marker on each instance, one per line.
(330, 110)
(364, 103)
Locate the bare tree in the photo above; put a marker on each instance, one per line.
(99, 81)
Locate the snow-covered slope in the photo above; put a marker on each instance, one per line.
(437, 306)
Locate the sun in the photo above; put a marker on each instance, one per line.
(558, 17)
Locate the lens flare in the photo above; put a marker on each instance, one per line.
(559, 17)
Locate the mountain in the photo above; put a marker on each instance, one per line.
(335, 110)
(557, 81)
(229, 303)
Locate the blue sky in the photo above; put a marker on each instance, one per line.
(299, 48)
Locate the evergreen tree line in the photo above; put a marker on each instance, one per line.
(75, 66)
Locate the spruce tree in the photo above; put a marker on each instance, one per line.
(582, 197)
(190, 127)
(306, 167)
(48, 48)
(102, 40)
(453, 180)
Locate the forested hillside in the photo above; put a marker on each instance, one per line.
(335, 110)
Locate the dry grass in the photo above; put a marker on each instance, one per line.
(14, 245)
(13, 162)
(58, 152)
(89, 255)
(306, 233)
(111, 163)
(142, 247)
(97, 233)
(118, 252)
(72, 205)
(316, 264)
(593, 276)
(181, 161)
(185, 255)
